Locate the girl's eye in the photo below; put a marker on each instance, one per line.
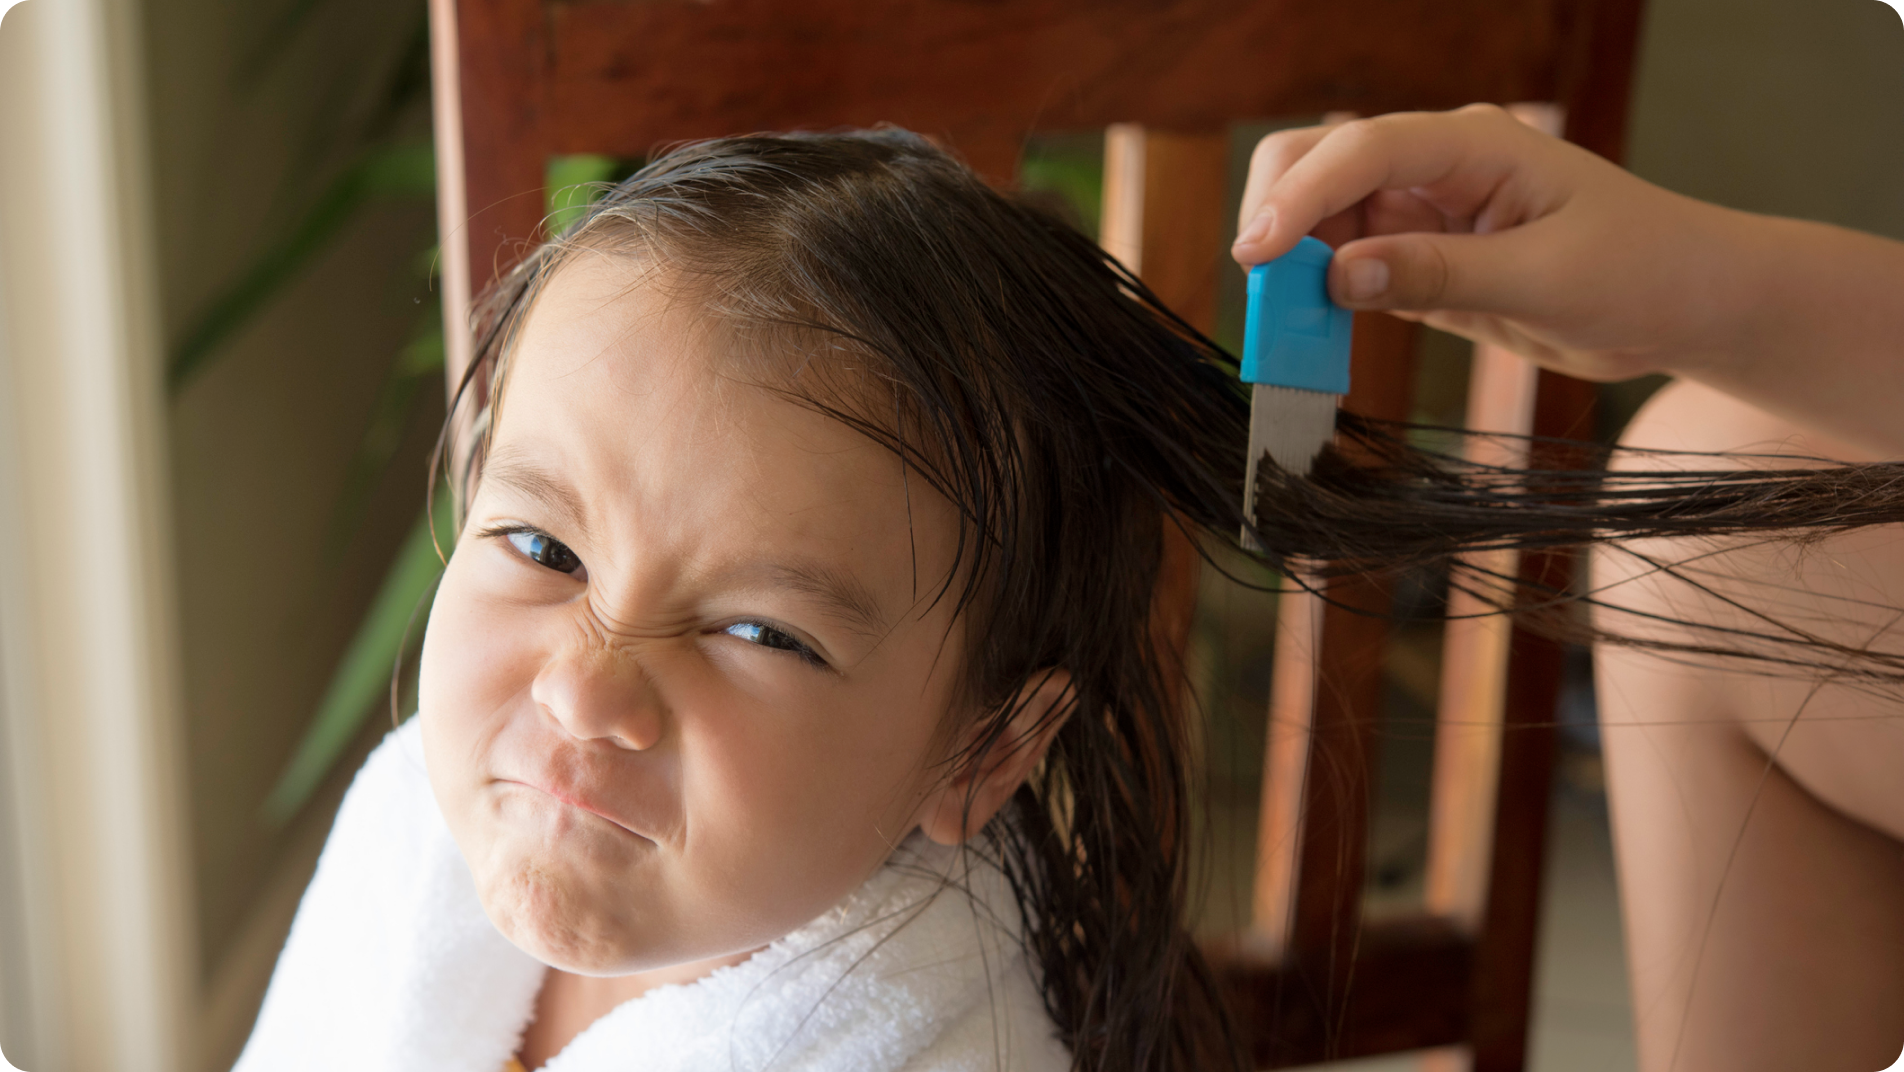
(545, 550)
(768, 637)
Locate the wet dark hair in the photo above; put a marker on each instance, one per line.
(1078, 426)
(1376, 503)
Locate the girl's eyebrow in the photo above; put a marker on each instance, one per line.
(841, 592)
(838, 590)
(511, 470)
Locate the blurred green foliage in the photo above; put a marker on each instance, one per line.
(574, 182)
(380, 163)
(363, 675)
(1069, 167)
(405, 170)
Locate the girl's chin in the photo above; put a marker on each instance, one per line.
(542, 916)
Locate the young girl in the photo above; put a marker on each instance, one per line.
(812, 530)
(802, 691)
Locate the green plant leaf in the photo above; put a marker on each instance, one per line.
(1073, 169)
(573, 183)
(405, 170)
(284, 29)
(420, 362)
(408, 83)
(405, 84)
(364, 675)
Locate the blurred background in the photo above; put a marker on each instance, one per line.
(221, 364)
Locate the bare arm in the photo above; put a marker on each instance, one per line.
(1822, 339)
(1756, 817)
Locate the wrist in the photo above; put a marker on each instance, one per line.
(1734, 293)
(1811, 289)
(1816, 328)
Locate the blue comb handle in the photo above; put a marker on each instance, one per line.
(1293, 335)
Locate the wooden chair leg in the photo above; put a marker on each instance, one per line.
(1469, 759)
(1504, 956)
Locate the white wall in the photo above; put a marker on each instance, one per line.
(1791, 107)
(98, 968)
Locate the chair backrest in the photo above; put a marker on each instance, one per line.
(520, 81)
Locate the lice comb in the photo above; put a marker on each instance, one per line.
(1296, 361)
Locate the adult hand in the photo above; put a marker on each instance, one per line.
(1477, 224)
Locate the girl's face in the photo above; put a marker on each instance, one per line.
(681, 691)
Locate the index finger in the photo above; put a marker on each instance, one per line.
(1273, 156)
(1344, 164)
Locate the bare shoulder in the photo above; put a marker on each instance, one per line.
(1844, 744)
(1689, 416)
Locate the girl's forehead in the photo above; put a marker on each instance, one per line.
(622, 397)
(617, 313)
(613, 359)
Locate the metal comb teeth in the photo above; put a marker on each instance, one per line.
(1290, 425)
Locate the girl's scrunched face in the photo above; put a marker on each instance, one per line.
(683, 682)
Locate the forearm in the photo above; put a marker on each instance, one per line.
(1817, 332)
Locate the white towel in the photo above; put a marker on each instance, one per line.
(391, 966)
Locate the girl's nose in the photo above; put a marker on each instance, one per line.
(601, 695)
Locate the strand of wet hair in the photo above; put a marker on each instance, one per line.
(1378, 504)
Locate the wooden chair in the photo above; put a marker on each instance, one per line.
(519, 81)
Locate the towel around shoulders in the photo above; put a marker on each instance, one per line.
(391, 966)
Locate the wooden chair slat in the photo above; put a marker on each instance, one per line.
(1411, 995)
(1474, 649)
(1326, 702)
(951, 67)
(1292, 705)
(1163, 215)
(1504, 950)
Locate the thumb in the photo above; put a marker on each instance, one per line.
(1429, 272)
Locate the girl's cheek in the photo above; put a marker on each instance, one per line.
(479, 656)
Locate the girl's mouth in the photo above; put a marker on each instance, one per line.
(578, 801)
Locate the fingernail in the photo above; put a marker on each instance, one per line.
(1257, 230)
(1366, 279)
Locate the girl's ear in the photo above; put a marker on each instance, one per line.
(961, 806)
